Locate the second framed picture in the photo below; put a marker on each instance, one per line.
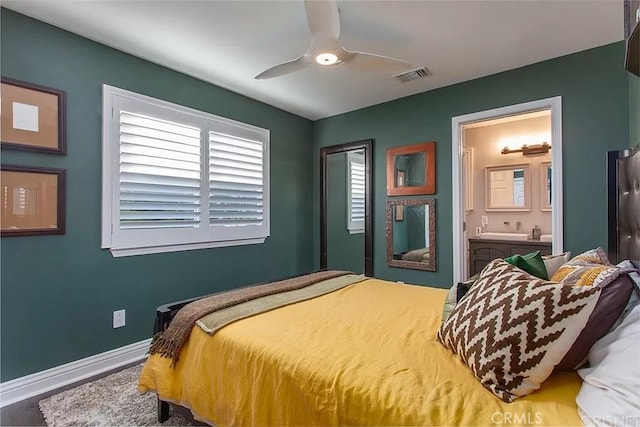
(32, 117)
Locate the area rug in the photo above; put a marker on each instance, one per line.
(110, 401)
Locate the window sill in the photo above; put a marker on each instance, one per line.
(123, 252)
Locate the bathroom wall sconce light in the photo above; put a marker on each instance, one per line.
(528, 150)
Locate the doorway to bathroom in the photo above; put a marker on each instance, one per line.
(507, 184)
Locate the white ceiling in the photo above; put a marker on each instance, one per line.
(229, 42)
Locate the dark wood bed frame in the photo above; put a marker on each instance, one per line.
(623, 170)
(164, 315)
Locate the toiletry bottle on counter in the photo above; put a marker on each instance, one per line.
(535, 233)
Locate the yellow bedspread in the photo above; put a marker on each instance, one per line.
(364, 355)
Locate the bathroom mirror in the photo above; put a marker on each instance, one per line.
(507, 188)
(411, 228)
(545, 186)
(411, 170)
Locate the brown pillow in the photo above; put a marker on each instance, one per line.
(511, 328)
(592, 268)
(611, 303)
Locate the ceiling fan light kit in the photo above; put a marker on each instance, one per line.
(325, 49)
(327, 59)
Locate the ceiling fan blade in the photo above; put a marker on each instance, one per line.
(284, 68)
(323, 18)
(362, 61)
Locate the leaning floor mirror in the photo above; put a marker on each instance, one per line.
(411, 234)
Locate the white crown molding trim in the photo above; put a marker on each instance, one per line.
(41, 382)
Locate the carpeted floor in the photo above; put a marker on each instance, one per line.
(110, 401)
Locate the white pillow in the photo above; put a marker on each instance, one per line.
(610, 393)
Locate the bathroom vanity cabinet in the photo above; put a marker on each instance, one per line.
(482, 251)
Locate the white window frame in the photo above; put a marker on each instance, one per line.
(353, 227)
(171, 240)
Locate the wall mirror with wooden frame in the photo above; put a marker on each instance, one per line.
(507, 188)
(411, 234)
(411, 170)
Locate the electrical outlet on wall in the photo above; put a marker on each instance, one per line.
(485, 220)
(119, 318)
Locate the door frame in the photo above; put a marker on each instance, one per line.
(554, 104)
(367, 146)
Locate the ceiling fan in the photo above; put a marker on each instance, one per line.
(326, 50)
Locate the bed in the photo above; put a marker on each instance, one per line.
(363, 354)
(416, 255)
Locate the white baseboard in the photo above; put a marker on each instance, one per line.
(41, 382)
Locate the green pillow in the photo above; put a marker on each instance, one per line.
(531, 263)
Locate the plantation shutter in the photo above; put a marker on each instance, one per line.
(175, 178)
(356, 191)
(236, 182)
(159, 173)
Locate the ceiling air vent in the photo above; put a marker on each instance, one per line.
(416, 73)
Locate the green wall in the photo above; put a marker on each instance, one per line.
(595, 103)
(634, 110)
(58, 292)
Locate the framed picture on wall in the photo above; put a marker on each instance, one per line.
(33, 201)
(32, 117)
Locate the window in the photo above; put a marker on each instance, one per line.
(355, 191)
(176, 179)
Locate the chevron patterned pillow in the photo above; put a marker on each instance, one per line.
(511, 328)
